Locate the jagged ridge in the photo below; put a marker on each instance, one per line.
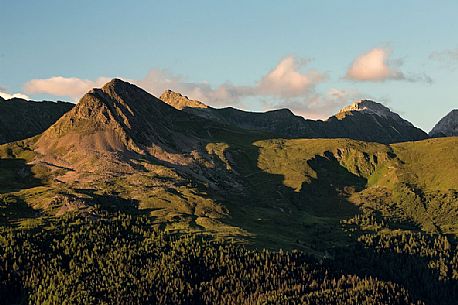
(363, 120)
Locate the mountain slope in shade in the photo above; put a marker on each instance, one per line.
(21, 119)
(447, 126)
(363, 120)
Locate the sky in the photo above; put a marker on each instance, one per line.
(313, 57)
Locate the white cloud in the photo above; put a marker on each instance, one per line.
(7, 96)
(155, 82)
(375, 65)
(285, 85)
(286, 80)
(62, 86)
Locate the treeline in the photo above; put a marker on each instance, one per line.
(121, 259)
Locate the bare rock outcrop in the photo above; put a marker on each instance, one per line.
(447, 126)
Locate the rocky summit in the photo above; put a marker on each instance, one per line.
(371, 107)
(370, 121)
(447, 126)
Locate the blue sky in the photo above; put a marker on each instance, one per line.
(311, 56)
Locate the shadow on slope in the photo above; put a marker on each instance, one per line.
(15, 175)
(280, 217)
(328, 192)
(13, 209)
(112, 202)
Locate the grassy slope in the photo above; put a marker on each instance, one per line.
(431, 164)
(302, 189)
(295, 192)
(429, 183)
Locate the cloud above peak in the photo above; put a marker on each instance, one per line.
(286, 79)
(375, 65)
(71, 87)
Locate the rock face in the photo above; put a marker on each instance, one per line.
(363, 120)
(447, 126)
(21, 119)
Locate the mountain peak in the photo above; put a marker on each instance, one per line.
(124, 91)
(367, 106)
(115, 83)
(178, 101)
(371, 107)
(115, 121)
(447, 126)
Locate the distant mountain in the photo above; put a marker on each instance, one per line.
(447, 126)
(363, 120)
(371, 107)
(370, 121)
(21, 119)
